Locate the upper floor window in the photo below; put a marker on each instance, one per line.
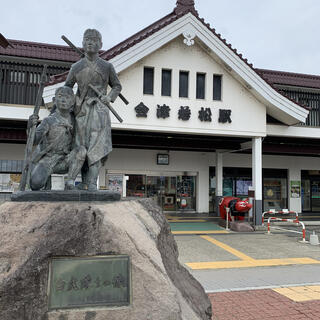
(34, 78)
(166, 82)
(217, 86)
(17, 76)
(148, 79)
(201, 86)
(184, 84)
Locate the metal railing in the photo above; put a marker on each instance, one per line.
(282, 211)
(289, 220)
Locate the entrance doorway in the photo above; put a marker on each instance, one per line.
(310, 190)
(173, 192)
(310, 195)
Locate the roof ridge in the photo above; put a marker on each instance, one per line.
(134, 37)
(39, 44)
(185, 6)
(294, 74)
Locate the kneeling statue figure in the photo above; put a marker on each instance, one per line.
(54, 153)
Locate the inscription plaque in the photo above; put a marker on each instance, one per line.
(89, 282)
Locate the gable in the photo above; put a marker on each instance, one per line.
(176, 56)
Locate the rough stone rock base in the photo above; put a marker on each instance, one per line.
(237, 226)
(242, 226)
(33, 232)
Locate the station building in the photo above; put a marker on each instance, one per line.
(201, 122)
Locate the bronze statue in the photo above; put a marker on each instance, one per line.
(54, 139)
(92, 119)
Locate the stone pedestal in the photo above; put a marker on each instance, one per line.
(32, 233)
(65, 195)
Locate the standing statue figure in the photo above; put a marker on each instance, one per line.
(92, 119)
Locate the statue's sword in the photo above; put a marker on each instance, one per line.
(25, 177)
(81, 54)
(108, 105)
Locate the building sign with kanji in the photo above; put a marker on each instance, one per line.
(184, 113)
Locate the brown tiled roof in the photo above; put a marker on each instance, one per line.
(40, 51)
(4, 43)
(290, 78)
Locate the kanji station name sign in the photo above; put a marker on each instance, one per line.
(184, 113)
(89, 282)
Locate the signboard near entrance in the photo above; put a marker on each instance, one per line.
(295, 189)
(89, 282)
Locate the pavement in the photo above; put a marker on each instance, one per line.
(253, 275)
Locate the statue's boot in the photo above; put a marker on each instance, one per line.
(92, 176)
(75, 164)
(82, 186)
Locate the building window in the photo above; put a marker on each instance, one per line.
(184, 84)
(217, 86)
(34, 78)
(148, 76)
(201, 85)
(166, 83)
(17, 76)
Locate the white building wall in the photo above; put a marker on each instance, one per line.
(177, 57)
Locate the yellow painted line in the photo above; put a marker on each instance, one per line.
(224, 246)
(250, 263)
(177, 220)
(300, 294)
(314, 288)
(200, 232)
(177, 217)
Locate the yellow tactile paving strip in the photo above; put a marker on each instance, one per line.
(224, 246)
(199, 232)
(300, 294)
(250, 263)
(246, 261)
(186, 220)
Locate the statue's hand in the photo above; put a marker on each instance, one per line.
(105, 99)
(33, 120)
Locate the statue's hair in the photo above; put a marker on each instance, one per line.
(65, 89)
(94, 32)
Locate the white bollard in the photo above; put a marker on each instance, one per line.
(314, 240)
(227, 219)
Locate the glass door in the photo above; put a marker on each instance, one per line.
(315, 195)
(163, 190)
(186, 188)
(305, 195)
(154, 189)
(136, 185)
(169, 193)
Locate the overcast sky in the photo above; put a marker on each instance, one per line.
(271, 34)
